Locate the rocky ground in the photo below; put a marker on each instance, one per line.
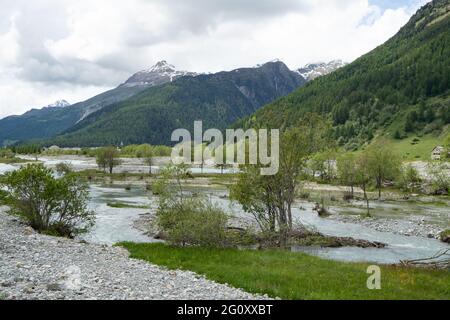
(414, 227)
(34, 266)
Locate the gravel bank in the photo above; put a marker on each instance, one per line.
(34, 266)
(417, 227)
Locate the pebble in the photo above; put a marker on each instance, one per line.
(40, 267)
(406, 227)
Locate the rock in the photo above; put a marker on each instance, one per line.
(7, 284)
(55, 287)
(45, 268)
(29, 289)
(29, 231)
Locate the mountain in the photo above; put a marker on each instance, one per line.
(59, 104)
(401, 87)
(151, 116)
(160, 73)
(59, 117)
(314, 70)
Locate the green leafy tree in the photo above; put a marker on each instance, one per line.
(383, 163)
(439, 176)
(363, 176)
(409, 179)
(148, 160)
(50, 205)
(108, 158)
(347, 170)
(447, 146)
(269, 198)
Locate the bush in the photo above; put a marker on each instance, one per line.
(187, 220)
(63, 168)
(409, 179)
(440, 180)
(195, 222)
(49, 205)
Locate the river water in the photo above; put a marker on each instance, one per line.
(116, 224)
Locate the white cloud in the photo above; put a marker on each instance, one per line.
(72, 49)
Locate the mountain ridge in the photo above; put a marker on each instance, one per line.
(218, 99)
(399, 88)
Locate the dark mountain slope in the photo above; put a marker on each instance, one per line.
(48, 122)
(217, 99)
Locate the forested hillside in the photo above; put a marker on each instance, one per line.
(217, 99)
(398, 88)
(48, 122)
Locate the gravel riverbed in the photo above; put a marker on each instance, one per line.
(417, 227)
(37, 267)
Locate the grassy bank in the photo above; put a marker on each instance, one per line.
(14, 160)
(121, 205)
(295, 276)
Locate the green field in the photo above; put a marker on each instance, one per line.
(416, 148)
(296, 276)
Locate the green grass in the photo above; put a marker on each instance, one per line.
(294, 275)
(120, 205)
(445, 234)
(14, 160)
(419, 150)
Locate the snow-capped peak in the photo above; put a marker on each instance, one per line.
(59, 104)
(314, 70)
(161, 66)
(162, 72)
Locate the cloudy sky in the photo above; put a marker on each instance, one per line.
(74, 49)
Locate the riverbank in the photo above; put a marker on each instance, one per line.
(297, 276)
(414, 227)
(39, 267)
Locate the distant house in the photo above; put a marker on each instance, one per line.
(437, 153)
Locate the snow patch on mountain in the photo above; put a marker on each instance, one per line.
(59, 104)
(314, 70)
(162, 72)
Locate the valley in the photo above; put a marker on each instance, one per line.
(329, 181)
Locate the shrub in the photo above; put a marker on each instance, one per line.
(187, 220)
(49, 205)
(440, 180)
(194, 222)
(409, 179)
(63, 168)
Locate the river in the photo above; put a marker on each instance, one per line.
(116, 224)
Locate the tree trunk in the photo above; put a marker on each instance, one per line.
(289, 209)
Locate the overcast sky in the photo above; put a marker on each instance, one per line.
(74, 49)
